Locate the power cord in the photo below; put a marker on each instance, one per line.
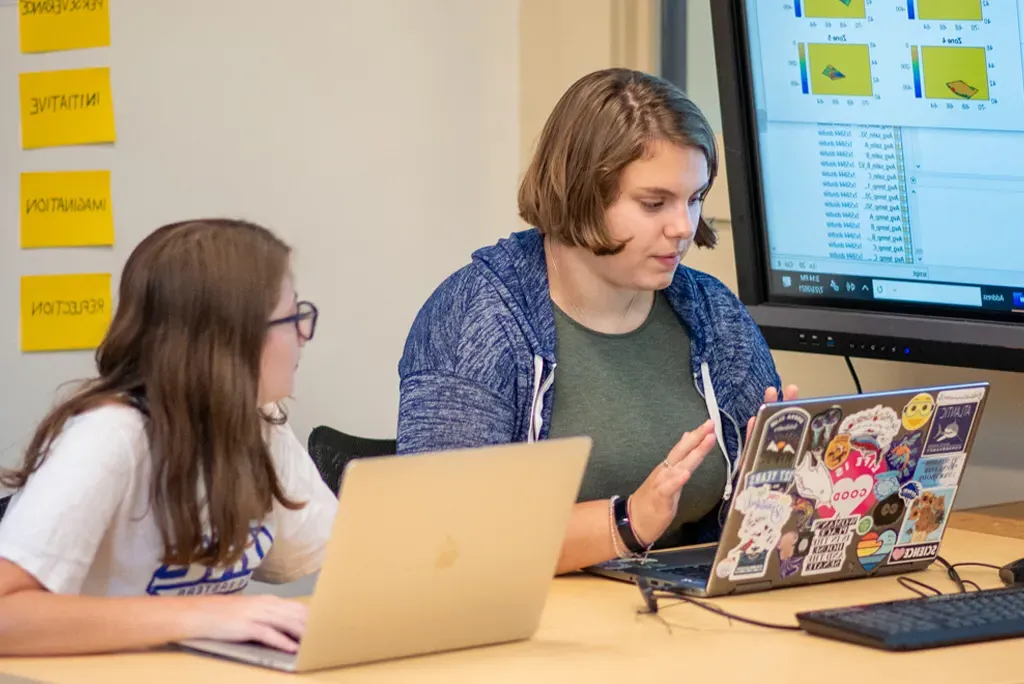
(853, 372)
(951, 571)
(652, 595)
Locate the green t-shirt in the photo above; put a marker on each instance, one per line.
(634, 396)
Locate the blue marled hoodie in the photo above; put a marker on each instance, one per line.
(479, 366)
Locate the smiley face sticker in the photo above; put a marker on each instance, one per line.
(918, 411)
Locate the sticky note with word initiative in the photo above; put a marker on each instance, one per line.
(71, 107)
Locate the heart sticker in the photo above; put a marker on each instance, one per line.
(848, 494)
(873, 548)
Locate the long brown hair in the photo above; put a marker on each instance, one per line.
(188, 334)
(604, 122)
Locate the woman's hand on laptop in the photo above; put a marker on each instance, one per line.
(270, 620)
(771, 395)
(653, 505)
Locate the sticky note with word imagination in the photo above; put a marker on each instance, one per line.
(66, 209)
(64, 312)
(73, 107)
(51, 25)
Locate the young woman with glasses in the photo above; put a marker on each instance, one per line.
(150, 497)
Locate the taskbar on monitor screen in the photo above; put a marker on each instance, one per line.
(889, 293)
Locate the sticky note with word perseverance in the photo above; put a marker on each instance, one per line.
(51, 25)
(64, 312)
(66, 209)
(73, 107)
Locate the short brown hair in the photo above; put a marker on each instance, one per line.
(188, 336)
(604, 122)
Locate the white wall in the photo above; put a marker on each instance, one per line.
(379, 137)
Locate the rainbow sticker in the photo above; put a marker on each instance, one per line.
(873, 548)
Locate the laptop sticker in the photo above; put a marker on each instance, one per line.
(918, 411)
(865, 524)
(832, 537)
(926, 516)
(796, 537)
(868, 437)
(823, 425)
(886, 483)
(789, 561)
(838, 451)
(910, 491)
(784, 435)
(764, 511)
(851, 495)
(910, 553)
(813, 481)
(874, 547)
(955, 411)
(777, 479)
(889, 510)
(871, 432)
(940, 471)
(904, 454)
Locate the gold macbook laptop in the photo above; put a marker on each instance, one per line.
(434, 552)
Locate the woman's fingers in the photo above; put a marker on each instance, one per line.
(688, 442)
(673, 479)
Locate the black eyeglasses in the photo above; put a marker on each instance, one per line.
(304, 320)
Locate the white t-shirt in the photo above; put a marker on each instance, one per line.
(83, 523)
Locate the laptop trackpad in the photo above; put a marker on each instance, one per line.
(255, 653)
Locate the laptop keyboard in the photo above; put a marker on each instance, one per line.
(698, 571)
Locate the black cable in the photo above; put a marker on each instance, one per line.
(952, 573)
(853, 372)
(651, 599)
(908, 583)
(976, 565)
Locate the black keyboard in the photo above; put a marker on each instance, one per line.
(919, 623)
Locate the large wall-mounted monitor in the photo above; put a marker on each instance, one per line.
(875, 151)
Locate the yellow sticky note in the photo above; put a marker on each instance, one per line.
(49, 25)
(66, 108)
(66, 209)
(61, 312)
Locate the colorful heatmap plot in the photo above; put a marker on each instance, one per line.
(945, 10)
(915, 61)
(804, 85)
(954, 73)
(838, 69)
(830, 9)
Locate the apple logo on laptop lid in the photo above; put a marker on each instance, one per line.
(448, 554)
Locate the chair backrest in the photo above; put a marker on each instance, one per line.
(332, 449)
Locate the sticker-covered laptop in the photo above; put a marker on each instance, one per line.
(831, 489)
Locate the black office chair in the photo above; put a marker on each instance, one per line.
(3, 504)
(332, 449)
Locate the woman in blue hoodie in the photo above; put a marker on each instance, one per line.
(587, 324)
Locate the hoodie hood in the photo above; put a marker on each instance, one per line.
(517, 268)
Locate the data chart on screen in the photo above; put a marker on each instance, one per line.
(941, 63)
